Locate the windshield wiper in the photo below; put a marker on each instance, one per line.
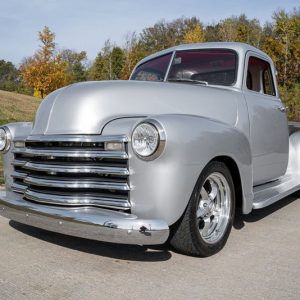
(188, 80)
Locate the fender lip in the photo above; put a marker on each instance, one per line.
(86, 222)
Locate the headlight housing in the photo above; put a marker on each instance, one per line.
(148, 139)
(5, 139)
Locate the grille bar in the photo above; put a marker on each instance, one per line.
(71, 153)
(74, 168)
(18, 175)
(77, 138)
(77, 200)
(18, 188)
(18, 163)
(76, 184)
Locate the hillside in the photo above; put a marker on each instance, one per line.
(15, 108)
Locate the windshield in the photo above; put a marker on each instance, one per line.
(211, 66)
(204, 66)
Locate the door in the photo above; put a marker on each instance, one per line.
(269, 135)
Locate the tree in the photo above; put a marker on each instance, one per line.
(9, 76)
(45, 71)
(166, 34)
(291, 97)
(194, 35)
(108, 64)
(75, 61)
(133, 52)
(102, 66)
(117, 61)
(282, 43)
(240, 29)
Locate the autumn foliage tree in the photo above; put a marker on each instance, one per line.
(194, 35)
(45, 71)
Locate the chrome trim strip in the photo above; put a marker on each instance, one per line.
(87, 222)
(76, 184)
(77, 200)
(77, 138)
(71, 153)
(77, 169)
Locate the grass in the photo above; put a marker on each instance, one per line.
(15, 108)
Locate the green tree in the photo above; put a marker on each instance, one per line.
(212, 33)
(76, 64)
(117, 61)
(291, 97)
(9, 76)
(108, 64)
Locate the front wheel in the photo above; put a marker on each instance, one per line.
(207, 221)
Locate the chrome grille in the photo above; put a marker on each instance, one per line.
(73, 170)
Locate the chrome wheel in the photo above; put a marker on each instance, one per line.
(214, 208)
(207, 221)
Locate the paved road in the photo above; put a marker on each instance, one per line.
(260, 261)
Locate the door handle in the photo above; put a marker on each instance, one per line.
(281, 108)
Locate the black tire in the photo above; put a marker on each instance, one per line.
(186, 237)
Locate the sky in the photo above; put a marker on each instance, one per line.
(86, 24)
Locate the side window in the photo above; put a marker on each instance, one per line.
(259, 76)
(153, 70)
(268, 82)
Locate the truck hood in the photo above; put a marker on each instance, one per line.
(85, 108)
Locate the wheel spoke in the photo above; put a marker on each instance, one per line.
(221, 191)
(214, 190)
(204, 194)
(205, 229)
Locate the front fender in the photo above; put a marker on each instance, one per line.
(162, 188)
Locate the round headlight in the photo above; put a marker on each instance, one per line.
(4, 140)
(148, 139)
(145, 139)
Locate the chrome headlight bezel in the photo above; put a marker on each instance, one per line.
(161, 139)
(7, 141)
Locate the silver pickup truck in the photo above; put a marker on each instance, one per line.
(198, 131)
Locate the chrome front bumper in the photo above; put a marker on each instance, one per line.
(86, 222)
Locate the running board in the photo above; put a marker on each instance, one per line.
(271, 192)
